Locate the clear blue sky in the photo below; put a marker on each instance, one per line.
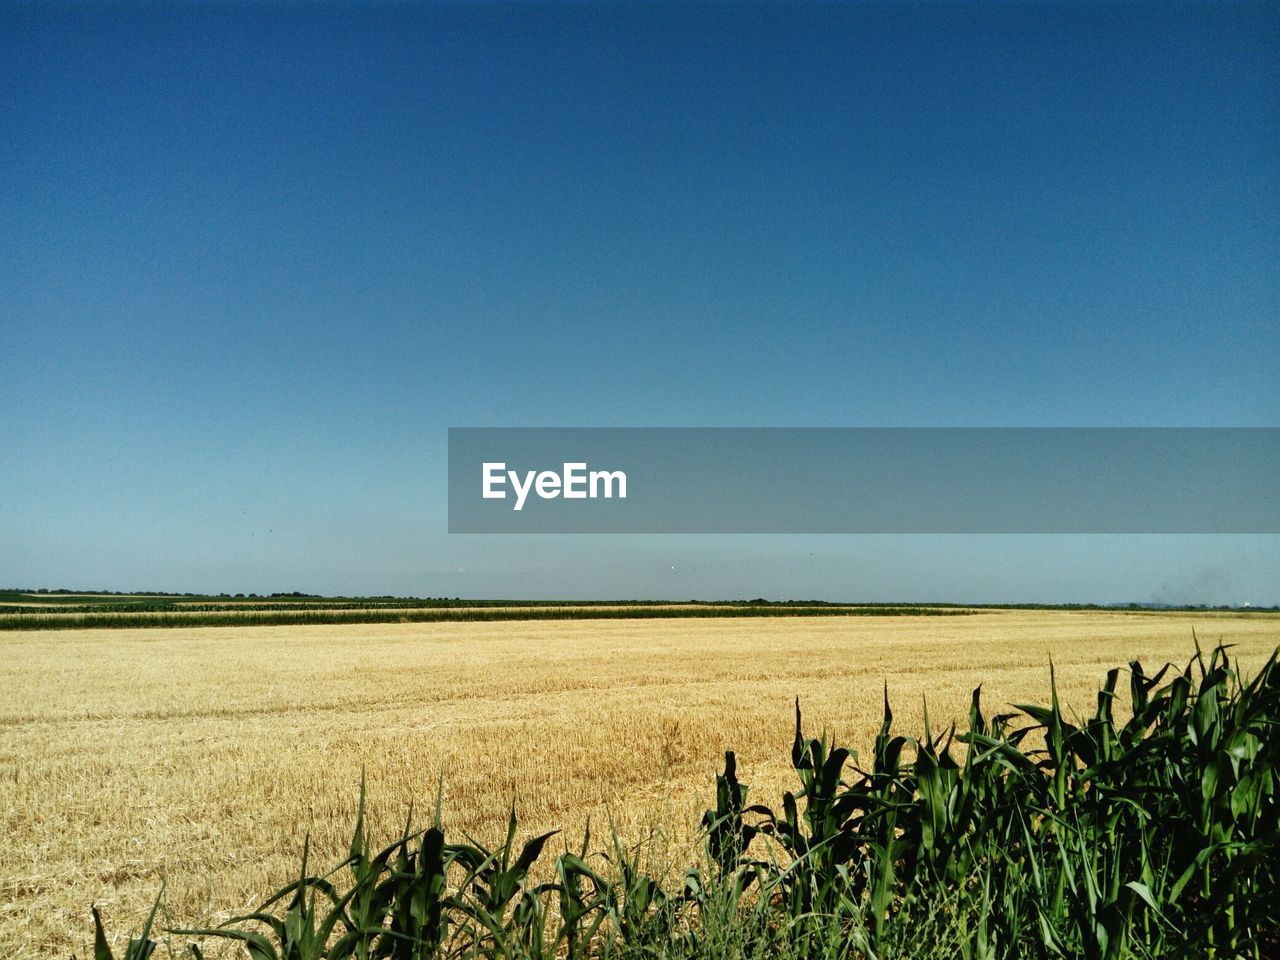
(254, 260)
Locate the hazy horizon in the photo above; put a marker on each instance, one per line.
(842, 602)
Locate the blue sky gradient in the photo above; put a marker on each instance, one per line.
(255, 259)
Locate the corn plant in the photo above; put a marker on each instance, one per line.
(1052, 836)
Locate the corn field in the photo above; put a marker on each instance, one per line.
(1150, 829)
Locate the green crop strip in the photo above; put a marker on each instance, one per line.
(251, 617)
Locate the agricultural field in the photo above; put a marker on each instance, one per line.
(61, 611)
(201, 758)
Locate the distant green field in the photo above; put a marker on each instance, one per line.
(205, 614)
(31, 610)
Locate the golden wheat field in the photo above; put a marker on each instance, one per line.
(200, 758)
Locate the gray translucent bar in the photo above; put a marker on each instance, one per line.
(873, 480)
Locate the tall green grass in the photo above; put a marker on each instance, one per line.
(1152, 834)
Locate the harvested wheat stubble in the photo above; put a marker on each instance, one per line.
(201, 757)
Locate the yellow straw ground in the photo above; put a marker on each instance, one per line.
(201, 757)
